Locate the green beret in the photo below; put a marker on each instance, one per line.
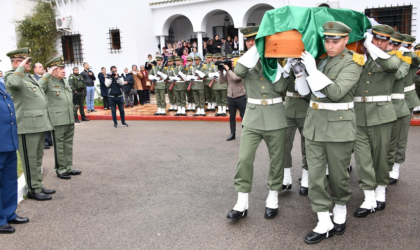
(242, 52)
(170, 59)
(208, 55)
(409, 39)
(159, 58)
(19, 53)
(75, 68)
(177, 58)
(197, 58)
(335, 30)
(250, 32)
(382, 31)
(397, 38)
(189, 59)
(57, 61)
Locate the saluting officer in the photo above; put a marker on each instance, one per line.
(375, 114)
(412, 101)
(160, 85)
(60, 100)
(32, 120)
(264, 119)
(78, 86)
(400, 106)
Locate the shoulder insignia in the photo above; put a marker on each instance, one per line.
(204, 67)
(399, 54)
(56, 87)
(417, 53)
(187, 68)
(166, 68)
(407, 59)
(17, 73)
(359, 59)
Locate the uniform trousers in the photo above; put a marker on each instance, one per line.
(337, 155)
(250, 140)
(208, 92)
(8, 186)
(181, 97)
(80, 105)
(171, 96)
(371, 150)
(233, 104)
(221, 97)
(160, 98)
(63, 148)
(199, 98)
(402, 140)
(292, 125)
(31, 151)
(190, 96)
(393, 143)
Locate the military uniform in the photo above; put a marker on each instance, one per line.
(180, 88)
(210, 98)
(199, 72)
(171, 95)
(220, 90)
(264, 120)
(161, 74)
(60, 99)
(78, 87)
(190, 95)
(32, 121)
(375, 115)
(412, 101)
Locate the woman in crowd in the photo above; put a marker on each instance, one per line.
(170, 48)
(189, 47)
(174, 53)
(217, 45)
(228, 46)
(104, 92)
(236, 45)
(137, 83)
(150, 62)
(144, 80)
(210, 46)
(184, 57)
(128, 87)
(204, 49)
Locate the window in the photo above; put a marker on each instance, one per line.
(72, 48)
(114, 40)
(398, 17)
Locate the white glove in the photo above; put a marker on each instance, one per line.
(368, 40)
(164, 77)
(250, 58)
(309, 61)
(288, 65)
(374, 51)
(201, 74)
(182, 75)
(404, 49)
(301, 85)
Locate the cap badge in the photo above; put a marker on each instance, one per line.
(248, 29)
(331, 25)
(385, 28)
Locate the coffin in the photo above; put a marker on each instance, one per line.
(288, 44)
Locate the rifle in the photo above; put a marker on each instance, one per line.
(172, 85)
(191, 83)
(212, 81)
(153, 85)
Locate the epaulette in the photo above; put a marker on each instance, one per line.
(166, 68)
(358, 58)
(204, 66)
(399, 54)
(396, 52)
(417, 53)
(187, 68)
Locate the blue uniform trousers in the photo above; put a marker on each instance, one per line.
(8, 186)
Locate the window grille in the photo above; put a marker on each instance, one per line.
(399, 17)
(71, 44)
(115, 40)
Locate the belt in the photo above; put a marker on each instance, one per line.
(398, 96)
(295, 95)
(114, 96)
(409, 88)
(331, 106)
(379, 98)
(265, 101)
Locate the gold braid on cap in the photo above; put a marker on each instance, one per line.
(58, 63)
(19, 55)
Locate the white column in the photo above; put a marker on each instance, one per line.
(200, 43)
(241, 40)
(162, 43)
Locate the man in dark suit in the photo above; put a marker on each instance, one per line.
(8, 164)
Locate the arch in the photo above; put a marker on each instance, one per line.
(252, 9)
(206, 18)
(168, 22)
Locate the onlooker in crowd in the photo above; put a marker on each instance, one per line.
(149, 63)
(204, 49)
(180, 49)
(194, 53)
(189, 47)
(184, 46)
(89, 78)
(8, 163)
(144, 79)
(114, 84)
(39, 71)
(184, 56)
(194, 45)
(169, 48)
(236, 45)
(217, 45)
(137, 83)
(223, 47)
(228, 46)
(104, 92)
(128, 88)
(210, 46)
(174, 53)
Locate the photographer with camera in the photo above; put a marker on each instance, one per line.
(114, 84)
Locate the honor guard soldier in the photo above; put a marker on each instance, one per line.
(199, 71)
(60, 100)
(190, 95)
(213, 69)
(411, 100)
(180, 87)
(330, 129)
(210, 99)
(375, 115)
(296, 106)
(242, 52)
(220, 89)
(171, 96)
(264, 120)
(8, 164)
(160, 74)
(398, 98)
(78, 87)
(33, 120)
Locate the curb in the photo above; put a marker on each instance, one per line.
(21, 188)
(163, 118)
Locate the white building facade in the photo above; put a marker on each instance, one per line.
(123, 33)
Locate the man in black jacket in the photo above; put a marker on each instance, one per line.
(89, 78)
(217, 45)
(114, 84)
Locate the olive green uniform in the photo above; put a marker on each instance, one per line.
(33, 120)
(261, 122)
(330, 132)
(198, 86)
(219, 88)
(210, 97)
(160, 86)
(78, 87)
(171, 95)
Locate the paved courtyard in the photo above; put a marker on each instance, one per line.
(169, 185)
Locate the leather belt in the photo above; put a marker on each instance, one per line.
(378, 98)
(410, 88)
(265, 101)
(331, 106)
(398, 96)
(295, 95)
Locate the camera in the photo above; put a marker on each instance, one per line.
(220, 64)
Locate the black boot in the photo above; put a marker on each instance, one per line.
(39, 196)
(287, 187)
(236, 215)
(76, 119)
(231, 137)
(6, 229)
(270, 213)
(84, 119)
(340, 228)
(303, 191)
(313, 237)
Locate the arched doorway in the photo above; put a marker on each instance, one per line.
(255, 14)
(175, 29)
(218, 22)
